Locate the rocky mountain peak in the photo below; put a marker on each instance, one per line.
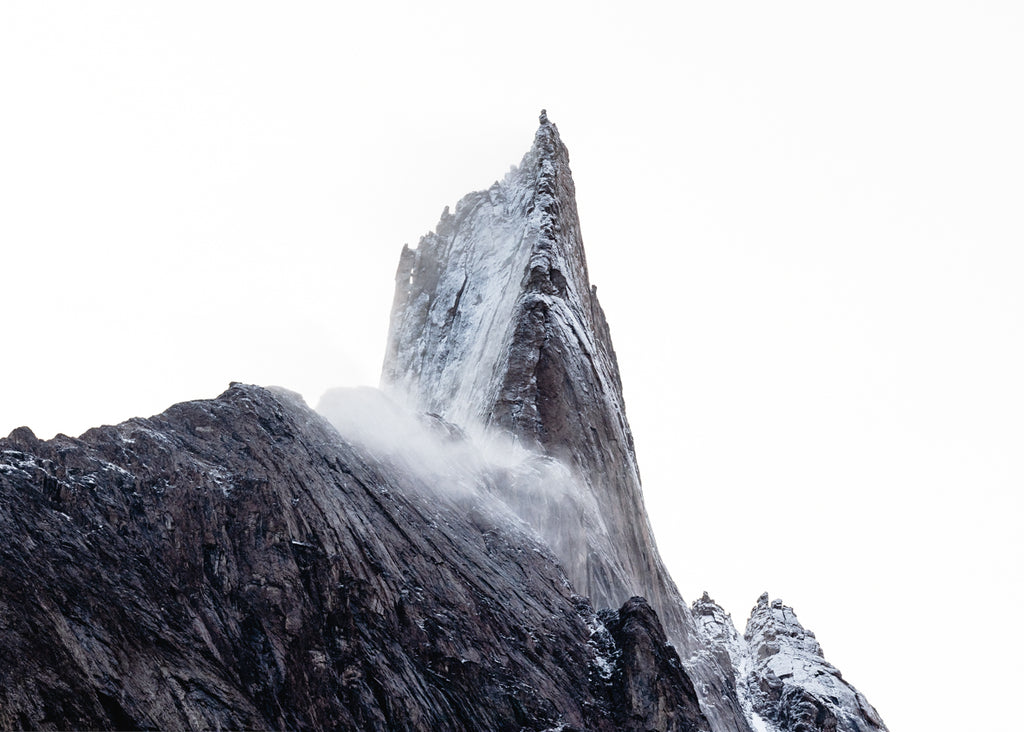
(462, 342)
(790, 682)
(713, 621)
(773, 626)
(445, 553)
(495, 327)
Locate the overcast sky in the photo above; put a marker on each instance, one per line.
(804, 221)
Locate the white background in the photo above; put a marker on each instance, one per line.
(804, 220)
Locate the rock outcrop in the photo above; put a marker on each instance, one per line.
(783, 680)
(791, 683)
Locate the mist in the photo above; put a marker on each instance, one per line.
(474, 466)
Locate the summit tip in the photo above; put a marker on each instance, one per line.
(543, 116)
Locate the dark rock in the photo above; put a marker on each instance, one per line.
(234, 564)
(649, 687)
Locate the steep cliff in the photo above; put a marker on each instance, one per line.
(496, 327)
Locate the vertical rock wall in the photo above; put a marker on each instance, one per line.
(495, 326)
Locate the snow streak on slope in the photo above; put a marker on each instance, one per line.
(495, 327)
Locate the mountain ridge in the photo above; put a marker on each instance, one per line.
(235, 563)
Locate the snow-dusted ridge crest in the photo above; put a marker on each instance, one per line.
(495, 327)
(782, 678)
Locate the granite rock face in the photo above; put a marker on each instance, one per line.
(782, 678)
(235, 563)
(790, 681)
(496, 327)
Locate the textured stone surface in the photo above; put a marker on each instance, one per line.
(649, 664)
(234, 564)
(790, 681)
(242, 563)
(495, 326)
(782, 679)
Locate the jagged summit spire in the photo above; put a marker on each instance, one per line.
(789, 681)
(547, 142)
(495, 326)
(495, 322)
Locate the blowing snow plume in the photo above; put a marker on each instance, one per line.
(478, 467)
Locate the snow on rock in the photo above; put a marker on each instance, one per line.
(496, 328)
(790, 682)
(782, 680)
(731, 651)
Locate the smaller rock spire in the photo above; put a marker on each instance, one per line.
(544, 116)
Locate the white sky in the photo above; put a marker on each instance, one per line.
(804, 220)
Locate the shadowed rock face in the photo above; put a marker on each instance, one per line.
(495, 326)
(649, 663)
(235, 564)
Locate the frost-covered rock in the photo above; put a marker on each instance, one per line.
(421, 564)
(236, 563)
(496, 327)
(792, 684)
(783, 681)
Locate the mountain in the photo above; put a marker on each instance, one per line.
(235, 564)
(466, 548)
